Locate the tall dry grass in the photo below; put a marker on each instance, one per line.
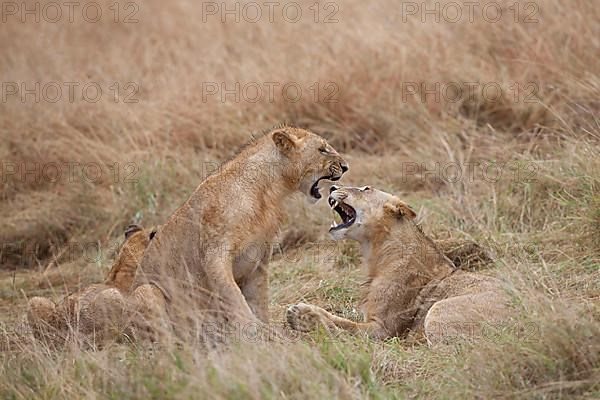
(540, 218)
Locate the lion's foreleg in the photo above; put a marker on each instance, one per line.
(256, 291)
(306, 317)
(223, 286)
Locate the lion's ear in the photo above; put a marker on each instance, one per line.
(131, 229)
(284, 141)
(399, 209)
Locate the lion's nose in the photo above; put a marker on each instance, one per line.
(333, 188)
(344, 168)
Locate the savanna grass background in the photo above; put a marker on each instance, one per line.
(537, 208)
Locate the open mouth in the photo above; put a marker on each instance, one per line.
(346, 213)
(314, 189)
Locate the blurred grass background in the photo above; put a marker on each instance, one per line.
(540, 217)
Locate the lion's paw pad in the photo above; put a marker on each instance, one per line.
(303, 317)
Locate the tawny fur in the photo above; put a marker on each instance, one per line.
(209, 261)
(97, 307)
(413, 286)
(123, 271)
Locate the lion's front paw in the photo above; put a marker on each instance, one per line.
(305, 318)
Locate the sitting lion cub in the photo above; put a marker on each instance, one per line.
(209, 263)
(91, 308)
(413, 286)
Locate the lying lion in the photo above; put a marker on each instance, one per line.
(93, 308)
(412, 286)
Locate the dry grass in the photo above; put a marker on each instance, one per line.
(540, 218)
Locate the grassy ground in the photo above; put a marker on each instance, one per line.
(516, 170)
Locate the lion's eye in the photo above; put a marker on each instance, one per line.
(365, 188)
(323, 150)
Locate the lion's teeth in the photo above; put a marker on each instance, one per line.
(335, 204)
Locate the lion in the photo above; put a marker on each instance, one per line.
(412, 286)
(209, 262)
(123, 270)
(89, 309)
